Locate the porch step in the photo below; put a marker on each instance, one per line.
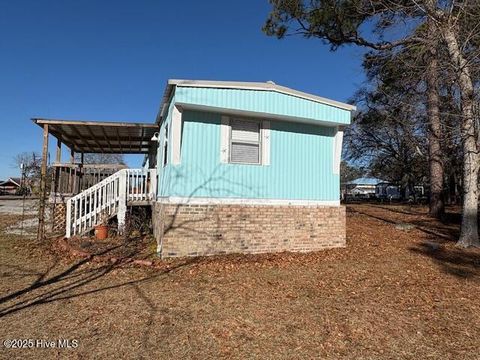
(108, 198)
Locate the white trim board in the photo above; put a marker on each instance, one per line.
(176, 134)
(254, 114)
(225, 140)
(247, 202)
(337, 151)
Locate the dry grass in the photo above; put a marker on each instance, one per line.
(390, 294)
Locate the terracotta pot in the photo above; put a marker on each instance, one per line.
(101, 232)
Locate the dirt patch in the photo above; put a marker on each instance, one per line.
(393, 294)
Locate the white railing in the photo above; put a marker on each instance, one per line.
(141, 184)
(109, 197)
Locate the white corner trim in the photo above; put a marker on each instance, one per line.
(266, 142)
(247, 202)
(224, 139)
(176, 130)
(337, 151)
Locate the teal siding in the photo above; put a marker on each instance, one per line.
(301, 165)
(268, 102)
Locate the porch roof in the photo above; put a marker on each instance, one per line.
(101, 136)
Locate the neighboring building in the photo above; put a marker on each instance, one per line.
(238, 167)
(363, 188)
(10, 186)
(390, 191)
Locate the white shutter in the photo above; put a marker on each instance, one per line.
(176, 135)
(337, 151)
(266, 143)
(224, 139)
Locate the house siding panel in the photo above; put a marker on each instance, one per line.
(300, 164)
(268, 102)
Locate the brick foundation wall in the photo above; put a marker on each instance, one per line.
(193, 230)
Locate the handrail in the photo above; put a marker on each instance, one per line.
(108, 198)
(73, 178)
(90, 166)
(98, 185)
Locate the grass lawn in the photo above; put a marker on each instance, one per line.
(395, 292)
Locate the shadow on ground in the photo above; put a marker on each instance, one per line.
(446, 230)
(463, 263)
(439, 237)
(71, 281)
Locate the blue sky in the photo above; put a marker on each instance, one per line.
(110, 60)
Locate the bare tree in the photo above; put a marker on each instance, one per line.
(389, 137)
(29, 164)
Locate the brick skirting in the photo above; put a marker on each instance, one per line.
(194, 230)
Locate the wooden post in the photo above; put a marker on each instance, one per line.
(153, 184)
(80, 175)
(73, 173)
(56, 174)
(43, 186)
(58, 156)
(68, 222)
(122, 201)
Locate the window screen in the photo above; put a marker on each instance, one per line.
(245, 142)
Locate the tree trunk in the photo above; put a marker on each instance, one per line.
(436, 165)
(469, 229)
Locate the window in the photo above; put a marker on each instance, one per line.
(165, 146)
(245, 143)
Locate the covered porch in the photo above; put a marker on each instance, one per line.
(89, 192)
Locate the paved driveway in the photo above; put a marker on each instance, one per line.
(15, 206)
(27, 207)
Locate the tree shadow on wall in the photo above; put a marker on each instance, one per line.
(216, 183)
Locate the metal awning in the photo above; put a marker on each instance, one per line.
(100, 136)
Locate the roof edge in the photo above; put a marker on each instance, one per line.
(44, 121)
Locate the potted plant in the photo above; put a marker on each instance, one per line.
(101, 229)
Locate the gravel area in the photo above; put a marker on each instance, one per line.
(28, 209)
(15, 206)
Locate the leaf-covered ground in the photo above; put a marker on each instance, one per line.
(400, 290)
